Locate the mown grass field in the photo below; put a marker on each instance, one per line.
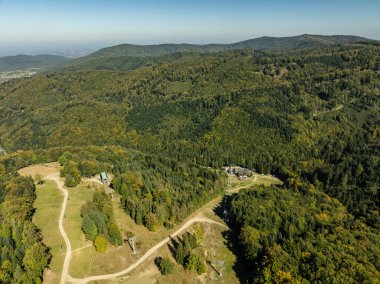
(86, 261)
(42, 170)
(48, 206)
(213, 248)
(81, 263)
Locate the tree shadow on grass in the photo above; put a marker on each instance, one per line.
(173, 245)
(231, 241)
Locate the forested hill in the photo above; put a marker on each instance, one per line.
(129, 57)
(296, 42)
(262, 43)
(311, 117)
(42, 62)
(313, 240)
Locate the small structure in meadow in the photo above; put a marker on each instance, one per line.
(103, 178)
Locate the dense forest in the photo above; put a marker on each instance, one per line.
(155, 190)
(23, 255)
(309, 116)
(301, 115)
(301, 236)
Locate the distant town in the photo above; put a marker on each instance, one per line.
(10, 75)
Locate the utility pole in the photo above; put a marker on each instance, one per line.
(221, 265)
(132, 242)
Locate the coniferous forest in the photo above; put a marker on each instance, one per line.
(311, 117)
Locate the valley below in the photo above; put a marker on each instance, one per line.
(250, 162)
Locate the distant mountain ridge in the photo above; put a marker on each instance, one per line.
(261, 43)
(129, 56)
(126, 57)
(296, 42)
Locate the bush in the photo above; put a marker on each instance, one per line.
(115, 235)
(151, 222)
(129, 234)
(195, 263)
(201, 267)
(100, 244)
(72, 174)
(89, 228)
(164, 265)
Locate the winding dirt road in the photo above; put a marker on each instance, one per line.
(199, 218)
(151, 251)
(65, 270)
(65, 277)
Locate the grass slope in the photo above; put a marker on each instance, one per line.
(48, 207)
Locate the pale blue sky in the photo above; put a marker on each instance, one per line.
(193, 21)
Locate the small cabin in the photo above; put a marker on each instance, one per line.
(103, 178)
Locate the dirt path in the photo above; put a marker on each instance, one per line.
(65, 270)
(86, 246)
(60, 184)
(152, 250)
(236, 190)
(65, 277)
(328, 111)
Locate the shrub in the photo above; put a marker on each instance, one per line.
(100, 244)
(164, 265)
(151, 222)
(115, 235)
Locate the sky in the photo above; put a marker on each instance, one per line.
(107, 22)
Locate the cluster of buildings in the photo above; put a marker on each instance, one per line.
(239, 172)
(10, 75)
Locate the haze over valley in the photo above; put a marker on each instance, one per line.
(189, 142)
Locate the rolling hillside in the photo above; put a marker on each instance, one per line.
(296, 42)
(262, 43)
(40, 62)
(129, 57)
(310, 118)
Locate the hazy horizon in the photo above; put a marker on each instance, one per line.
(78, 48)
(39, 22)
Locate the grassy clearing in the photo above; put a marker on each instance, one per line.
(214, 247)
(81, 262)
(48, 206)
(267, 180)
(73, 221)
(256, 179)
(87, 261)
(42, 169)
(118, 258)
